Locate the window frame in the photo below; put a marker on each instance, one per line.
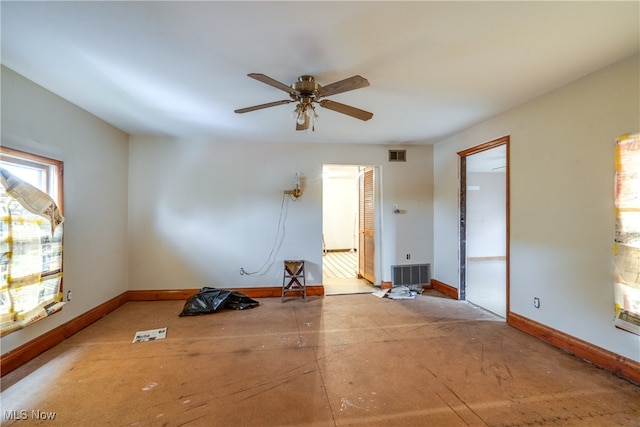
(53, 186)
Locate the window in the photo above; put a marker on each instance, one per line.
(30, 238)
(627, 237)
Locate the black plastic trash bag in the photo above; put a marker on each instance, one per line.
(212, 300)
(208, 300)
(239, 301)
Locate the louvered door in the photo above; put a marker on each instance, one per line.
(366, 265)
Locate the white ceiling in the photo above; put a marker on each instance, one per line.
(435, 68)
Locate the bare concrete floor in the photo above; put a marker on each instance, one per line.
(333, 361)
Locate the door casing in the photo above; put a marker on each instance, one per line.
(462, 238)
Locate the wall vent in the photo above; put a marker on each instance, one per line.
(417, 274)
(397, 155)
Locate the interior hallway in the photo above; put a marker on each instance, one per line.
(332, 361)
(340, 274)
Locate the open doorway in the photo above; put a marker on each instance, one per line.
(341, 223)
(484, 226)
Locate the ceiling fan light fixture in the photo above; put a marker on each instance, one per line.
(311, 112)
(301, 113)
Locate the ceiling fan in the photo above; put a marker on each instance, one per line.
(306, 92)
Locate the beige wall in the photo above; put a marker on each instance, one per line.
(562, 216)
(95, 157)
(200, 210)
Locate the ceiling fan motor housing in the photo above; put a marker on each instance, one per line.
(306, 87)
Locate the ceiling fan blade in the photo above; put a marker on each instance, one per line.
(271, 82)
(355, 82)
(261, 106)
(346, 109)
(305, 125)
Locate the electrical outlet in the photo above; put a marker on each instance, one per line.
(536, 302)
(69, 296)
(242, 272)
(408, 256)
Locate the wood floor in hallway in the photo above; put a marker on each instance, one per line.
(355, 360)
